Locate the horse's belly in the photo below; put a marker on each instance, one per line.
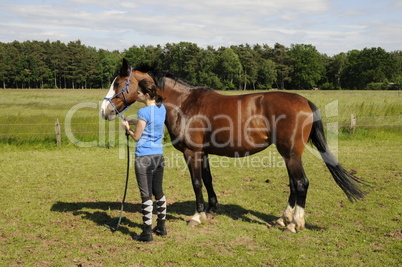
(241, 148)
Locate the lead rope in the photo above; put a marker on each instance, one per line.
(113, 225)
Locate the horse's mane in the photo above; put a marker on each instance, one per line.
(159, 76)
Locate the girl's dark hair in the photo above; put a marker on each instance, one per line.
(150, 88)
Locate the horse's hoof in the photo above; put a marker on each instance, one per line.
(279, 223)
(193, 223)
(288, 231)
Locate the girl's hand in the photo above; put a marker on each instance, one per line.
(125, 125)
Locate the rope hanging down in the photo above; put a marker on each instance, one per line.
(115, 223)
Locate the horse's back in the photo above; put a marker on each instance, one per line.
(274, 103)
(240, 125)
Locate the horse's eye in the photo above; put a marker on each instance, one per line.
(116, 84)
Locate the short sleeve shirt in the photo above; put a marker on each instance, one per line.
(150, 142)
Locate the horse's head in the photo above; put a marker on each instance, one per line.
(122, 92)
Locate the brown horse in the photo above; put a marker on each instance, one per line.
(201, 121)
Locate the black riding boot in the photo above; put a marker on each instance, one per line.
(160, 228)
(146, 235)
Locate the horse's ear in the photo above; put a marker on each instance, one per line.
(124, 70)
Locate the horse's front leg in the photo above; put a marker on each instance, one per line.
(207, 179)
(194, 163)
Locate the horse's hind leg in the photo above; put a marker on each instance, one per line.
(207, 179)
(293, 215)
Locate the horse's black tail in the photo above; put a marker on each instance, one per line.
(345, 180)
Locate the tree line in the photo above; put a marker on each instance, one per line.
(38, 64)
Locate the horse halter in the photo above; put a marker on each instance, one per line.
(125, 89)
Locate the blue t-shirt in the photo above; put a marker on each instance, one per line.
(150, 142)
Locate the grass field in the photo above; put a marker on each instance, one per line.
(55, 200)
(28, 116)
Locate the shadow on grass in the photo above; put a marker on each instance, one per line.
(97, 212)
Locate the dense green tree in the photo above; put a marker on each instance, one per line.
(82, 64)
(249, 61)
(73, 73)
(89, 67)
(58, 62)
(144, 55)
(136, 55)
(155, 55)
(228, 68)
(9, 67)
(3, 71)
(283, 65)
(36, 64)
(370, 65)
(397, 55)
(307, 65)
(267, 74)
(207, 62)
(40, 53)
(334, 67)
(182, 59)
(397, 80)
(107, 64)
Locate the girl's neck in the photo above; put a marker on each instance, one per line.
(150, 102)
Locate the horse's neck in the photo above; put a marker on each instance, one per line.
(175, 92)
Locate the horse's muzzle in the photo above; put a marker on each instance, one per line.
(110, 115)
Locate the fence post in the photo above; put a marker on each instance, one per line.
(58, 132)
(352, 123)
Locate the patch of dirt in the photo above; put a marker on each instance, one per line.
(248, 179)
(3, 236)
(377, 247)
(397, 235)
(352, 171)
(359, 224)
(81, 263)
(249, 242)
(225, 193)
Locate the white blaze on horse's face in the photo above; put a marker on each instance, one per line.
(106, 110)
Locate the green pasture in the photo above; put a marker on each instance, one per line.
(55, 200)
(27, 117)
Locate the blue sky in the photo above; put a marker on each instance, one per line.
(332, 26)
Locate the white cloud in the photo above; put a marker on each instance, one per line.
(354, 26)
(332, 26)
(398, 4)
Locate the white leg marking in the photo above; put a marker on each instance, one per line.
(299, 218)
(298, 222)
(197, 219)
(287, 216)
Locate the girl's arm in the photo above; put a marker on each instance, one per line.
(136, 135)
(132, 122)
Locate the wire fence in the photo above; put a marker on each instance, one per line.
(376, 121)
(96, 128)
